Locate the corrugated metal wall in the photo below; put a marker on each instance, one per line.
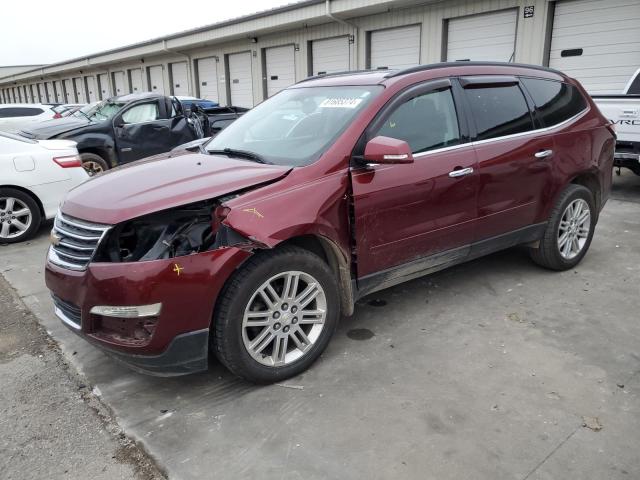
(530, 41)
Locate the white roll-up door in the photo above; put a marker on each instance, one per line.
(49, 92)
(33, 90)
(69, 95)
(135, 75)
(29, 95)
(40, 93)
(156, 79)
(208, 79)
(597, 42)
(240, 80)
(280, 66)
(119, 83)
(59, 92)
(179, 79)
(330, 55)
(80, 93)
(92, 90)
(103, 86)
(484, 37)
(395, 47)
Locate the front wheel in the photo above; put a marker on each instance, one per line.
(93, 164)
(276, 315)
(569, 231)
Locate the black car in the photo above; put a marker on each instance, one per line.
(124, 128)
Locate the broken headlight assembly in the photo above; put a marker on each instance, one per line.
(177, 232)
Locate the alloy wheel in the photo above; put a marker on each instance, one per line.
(15, 218)
(92, 168)
(284, 318)
(574, 229)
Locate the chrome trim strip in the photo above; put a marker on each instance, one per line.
(79, 224)
(60, 314)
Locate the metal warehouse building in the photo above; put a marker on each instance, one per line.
(243, 61)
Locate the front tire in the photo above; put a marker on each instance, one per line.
(276, 315)
(569, 231)
(93, 164)
(20, 216)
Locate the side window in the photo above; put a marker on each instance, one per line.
(634, 88)
(425, 122)
(146, 112)
(499, 111)
(555, 101)
(20, 112)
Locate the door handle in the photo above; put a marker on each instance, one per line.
(461, 172)
(543, 153)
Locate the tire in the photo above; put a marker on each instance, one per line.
(233, 335)
(549, 254)
(20, 216)
(93, 163)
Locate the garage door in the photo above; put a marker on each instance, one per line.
(240, 80)
(179, 79)
(280, 66)
(597, 42)
(156, 79)
(119, 83)
(92, 90)
(59, 92)
(330, 55)
(29, 96)
(135, 76)
(208, 78)
(69, 96)
(49, 92)
(103, 85)
(395, 47)
(489, 36)
(79, 86)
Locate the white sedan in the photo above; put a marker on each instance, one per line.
(34, 178)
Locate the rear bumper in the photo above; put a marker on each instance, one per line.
(627, 155)
(175, 340)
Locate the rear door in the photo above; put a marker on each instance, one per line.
(406, 212)
(514, 160)
(142, 130)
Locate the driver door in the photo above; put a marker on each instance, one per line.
(142, 130)
(411, 217)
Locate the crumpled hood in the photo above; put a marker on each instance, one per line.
(46, 129)
(163, 182)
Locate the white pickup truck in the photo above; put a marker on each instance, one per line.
(624, 112)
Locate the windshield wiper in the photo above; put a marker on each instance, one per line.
(232, 152)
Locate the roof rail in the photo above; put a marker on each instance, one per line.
(465, 63)
(344, 72)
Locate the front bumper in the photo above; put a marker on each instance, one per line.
(187, 287)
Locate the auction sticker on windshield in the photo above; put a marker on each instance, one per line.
(340, 103)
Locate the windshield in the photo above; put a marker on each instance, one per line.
(87, 111)
(297, 125)
(103, 110)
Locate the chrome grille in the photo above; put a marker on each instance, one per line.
(74, 242)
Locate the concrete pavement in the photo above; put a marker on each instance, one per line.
(487, 370)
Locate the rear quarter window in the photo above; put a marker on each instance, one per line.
(555, 101)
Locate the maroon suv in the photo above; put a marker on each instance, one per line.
(253, 247)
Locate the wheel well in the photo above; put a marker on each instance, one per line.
(330, 253)
(31, 194)
(590, 181)
(98, 151)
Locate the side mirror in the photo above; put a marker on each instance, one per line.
(387, 150)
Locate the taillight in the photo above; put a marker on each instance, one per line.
(57, 115)
(70, 161)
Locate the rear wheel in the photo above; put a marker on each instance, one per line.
(276, 315)
(93, 163)
(569, 231)
(19, 216)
